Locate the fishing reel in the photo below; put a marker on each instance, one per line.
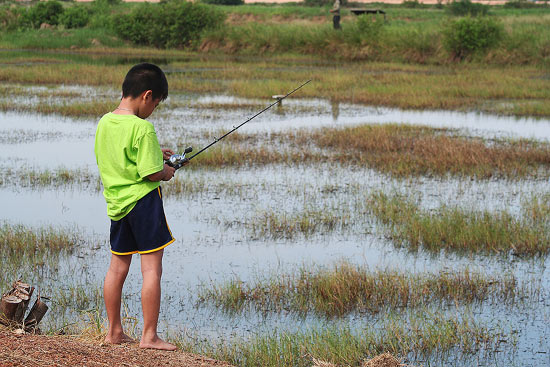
(178, 160)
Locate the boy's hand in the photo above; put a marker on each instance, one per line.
(168, 173)
(166, 154)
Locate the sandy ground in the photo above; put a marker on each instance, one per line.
(30, 350)
(60, 351)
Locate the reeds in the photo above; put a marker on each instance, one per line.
(26, 250)
(410, 86)
(344, 288)
(21, 240)
(425, 336)
(406, 150)
(459, 230)
(59, 177)
(306, 222)
(94, 109)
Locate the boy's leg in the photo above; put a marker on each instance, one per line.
(112, 293)
(151, 269)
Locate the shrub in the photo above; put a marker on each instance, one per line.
(224, 2)
(11, 17)
(466, 7)
(75, 17)
(522, 4)
(369, 28)
(468, 35)
(169, 24)
(46, 12)
(412, 4)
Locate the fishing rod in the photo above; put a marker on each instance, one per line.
(178, 160)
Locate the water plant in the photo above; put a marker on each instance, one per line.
(306, 222)
(456, 229)
(344, 288)
(424, 335)
(405, 150)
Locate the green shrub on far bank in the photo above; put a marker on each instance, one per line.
(411, 4)
(10, 17)
(75, 17)
(169, 24)
(224, 2)
(466, 36)
(47, 12)
(368, 27)
(523, 4)
(466, 7)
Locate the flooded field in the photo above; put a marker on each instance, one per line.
(238, 223)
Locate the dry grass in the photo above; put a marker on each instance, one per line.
(405, 150)
(468, 86)
(346, 288)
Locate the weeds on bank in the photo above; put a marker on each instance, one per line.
(524, 89)
(461, 230)
(417, 336)
(345, 288)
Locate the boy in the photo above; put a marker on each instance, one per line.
(131, 166)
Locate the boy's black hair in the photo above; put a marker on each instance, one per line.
(144, 77)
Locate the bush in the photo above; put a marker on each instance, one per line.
(224, 2)
(412, 4)
(170, 24)
(369, 27)
(11, 17)
(75, 17)
(469, 35)
(45, 12)
(466, 7)
(522, 4)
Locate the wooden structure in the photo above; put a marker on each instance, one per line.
(13, 307)
(359, 11)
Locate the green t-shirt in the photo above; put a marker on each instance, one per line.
(126, 150)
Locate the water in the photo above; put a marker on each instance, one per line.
(211, 226)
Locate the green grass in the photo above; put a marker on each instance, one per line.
(29, 251)
(460, 230)
(417, 336)
(519, 90)
(59, 39)
(409, 35)
(60, 177)
(307, 222)
(345, 288)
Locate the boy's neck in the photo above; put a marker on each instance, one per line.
(127, 106)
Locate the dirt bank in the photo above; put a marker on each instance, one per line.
(39, 350)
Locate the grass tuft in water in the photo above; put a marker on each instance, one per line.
(418, 336)
(346, 288)
(406, 150)
(456, 229)
(307, 222)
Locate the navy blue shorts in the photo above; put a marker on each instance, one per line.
(144, 229)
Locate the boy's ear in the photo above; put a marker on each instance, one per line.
(147, 94)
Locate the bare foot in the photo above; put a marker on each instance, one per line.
(156, 343)
(118, 339)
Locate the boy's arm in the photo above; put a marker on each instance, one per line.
(165, 175)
